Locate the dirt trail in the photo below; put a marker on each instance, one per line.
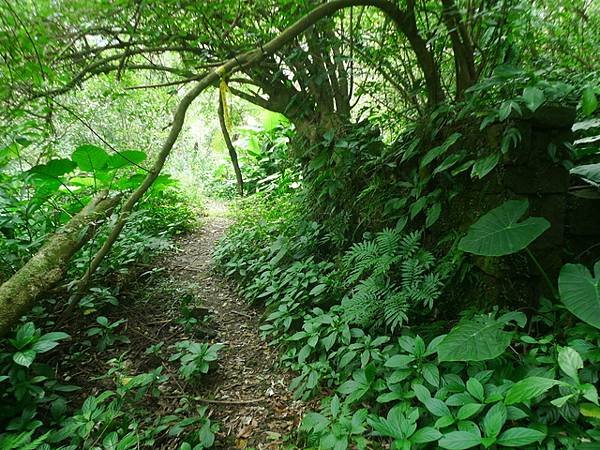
(255, 407)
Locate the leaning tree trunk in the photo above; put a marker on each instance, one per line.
(19, 293)
(232, 153)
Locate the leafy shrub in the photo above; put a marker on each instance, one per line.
(195, 358)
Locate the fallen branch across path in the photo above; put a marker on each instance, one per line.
(229, 402)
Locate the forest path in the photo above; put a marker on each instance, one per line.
(251, 397)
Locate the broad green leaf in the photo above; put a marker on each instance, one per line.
(483, 166)
(24, 358)
(474, 340)
(475, 388)
(589, 392)
(494, 420)
(499, 232)
(400, 361)
(570, 362)
(90, 158)
(314, 421)
(589, 102)
(54, 168)
(126, 158)
(468, 410)
(560, 402)
(589, 172)
(440, 150)
(528, 388)
(433, 214)
(450, 161)
(458, 440)
(580, 292)
(43, 346)
(318, 289)
(25, 334)
(431, 374)
(533, 98)
(590, 410)
(437, 407)
(519, 437)
(425, 434)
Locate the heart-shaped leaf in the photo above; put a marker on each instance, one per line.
(126, 158)
(533, 98)
(580, 292)
(499, 232)
(54, 168)
(474, 340)
(90, 158)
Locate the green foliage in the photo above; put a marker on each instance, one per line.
(391, 275)
(499, 231)
(336, 426)
(580, 292)
(478, 339)
(349, 246)
(105, 333)
(29, 342)
(195, 358)
(485, 383)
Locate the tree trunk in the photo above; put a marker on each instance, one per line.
(19, 293)
(232, 153)
(466, 75)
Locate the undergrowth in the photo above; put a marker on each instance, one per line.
(43, 408)
(363, 297)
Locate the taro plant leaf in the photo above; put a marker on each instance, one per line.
(519, 437)
(474, 340)
(580, 292)
(499, 232)
(457, 440)
(528, 388)
(589, 172)
(126, 158)
(90, 158)
(533, 98)
(54, 168)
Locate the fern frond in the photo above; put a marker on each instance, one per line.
(395, 310)
(412, 273)
(359, 259)
(410, 244)
(387, 241)
(363, 306)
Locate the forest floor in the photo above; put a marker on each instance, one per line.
(246, 392)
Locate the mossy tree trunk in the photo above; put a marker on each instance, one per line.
(19, 293)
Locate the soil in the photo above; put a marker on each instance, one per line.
(246, 392)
